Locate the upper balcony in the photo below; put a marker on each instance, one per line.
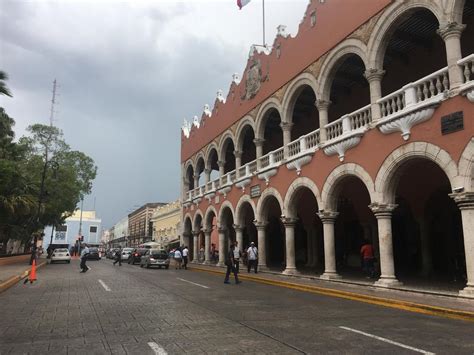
(394, 79)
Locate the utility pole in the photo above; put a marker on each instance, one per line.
(53, 103)
(80, 228)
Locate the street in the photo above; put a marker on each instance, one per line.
(127, 309)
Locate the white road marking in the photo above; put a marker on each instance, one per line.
(388, 341)
(192, 283)
(107, 288)
(157, 348)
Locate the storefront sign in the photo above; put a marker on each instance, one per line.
(255, 191)
(452, 123)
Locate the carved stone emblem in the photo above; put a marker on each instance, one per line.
(253, 80)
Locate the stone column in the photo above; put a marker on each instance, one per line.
(451, 34)
(195, 246)
(238, 161)
(261, 239)
(374, 77)
(207, 246)
(323, 107)
(222, 250)
(465, 202)
(221, 164)
(286, 128)
(196, 180)
(258, 150)
(239, 236)
(383, 213)
(289, 224)
(207, 175)
(328, 218)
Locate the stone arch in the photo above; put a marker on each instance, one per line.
(246, 121)
(293, 91)
(334, 59)
(380, 35)
(209, 149)
(197, 214)
(187, 218)
(187, 164)
(271, 103)
(223, 206)
(271, 191)
(331, 185)
(238, 212)
(292, 191)
(220, 152)
(389, 172)
(207, 216)
(454, 8)
(466, 167)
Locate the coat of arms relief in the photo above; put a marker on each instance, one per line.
(253, 80)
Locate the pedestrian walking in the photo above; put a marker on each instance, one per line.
(178, 258)
(230, 263)
(237, 255)
(118, 257)
(185, 257)
(252, 255)
(368, 259)
(84, 255)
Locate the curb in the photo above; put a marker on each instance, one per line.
(385, 302)
(14, 279)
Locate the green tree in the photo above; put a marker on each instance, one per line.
(3, 87)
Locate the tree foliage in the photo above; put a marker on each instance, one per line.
(41, 178)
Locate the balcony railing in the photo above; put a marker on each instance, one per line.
(431, 88)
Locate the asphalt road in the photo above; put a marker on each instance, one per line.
(126, 309)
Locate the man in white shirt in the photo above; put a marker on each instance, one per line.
(185, 257)
(236, 256)
(252, 254)
(84, 255)
(177, 258)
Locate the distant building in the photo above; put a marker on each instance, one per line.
(166, 225)
(139, 224)
(69, 231)
(120, 235)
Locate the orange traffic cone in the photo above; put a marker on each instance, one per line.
(33, 271)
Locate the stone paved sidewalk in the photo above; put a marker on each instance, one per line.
(19, 270)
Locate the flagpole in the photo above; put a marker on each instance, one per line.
(263, 13)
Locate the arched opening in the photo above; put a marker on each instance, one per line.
(210, 225)
(249, 230)
(305, 116)
(274, 234)
(199, 171)
(349, 88)
(354, 226)
(227, 222)
(187, 232)
(309, 246)
(228, 155)
(427, 228)
(467, 44)
(212, 164)
(273, 134)
(249, 152)
(189, 180)
(414, 49)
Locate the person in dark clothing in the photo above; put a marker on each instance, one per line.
(118, 257)
(230, 263)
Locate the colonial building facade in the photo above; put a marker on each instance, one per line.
(166, 222)
(358, 128)
(139, 224)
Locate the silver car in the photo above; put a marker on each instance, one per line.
(60, 254)
(126, 252)
(155, 257)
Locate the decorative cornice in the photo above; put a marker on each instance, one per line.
(289, 222)
(373, 74)
(322, 105)
(327, 217)
(381, 210)
(450, 29)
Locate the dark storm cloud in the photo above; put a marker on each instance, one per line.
(128, 75)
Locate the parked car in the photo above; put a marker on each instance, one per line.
(93, 254)
(136, 255)
(110, 254)
(155, 257)
(60, 254)
(126, 252)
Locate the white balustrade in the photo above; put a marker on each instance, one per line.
(278, 155)
(467, 66)
(294, 148)
(334, 129)
(360, 118)
(431, 85)
(312, 139)
(392, 103)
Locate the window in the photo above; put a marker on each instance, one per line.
(62, 228)
(93, 229)
(313, 18)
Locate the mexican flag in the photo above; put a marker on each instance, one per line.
(242, 3)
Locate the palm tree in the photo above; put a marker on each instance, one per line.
(3, 87)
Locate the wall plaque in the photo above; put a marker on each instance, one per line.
(255, 191)
(452, 123)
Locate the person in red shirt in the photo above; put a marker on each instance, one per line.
(368, 259)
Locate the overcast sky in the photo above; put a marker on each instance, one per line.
(128, 74)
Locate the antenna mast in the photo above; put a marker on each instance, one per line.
(53, 102)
